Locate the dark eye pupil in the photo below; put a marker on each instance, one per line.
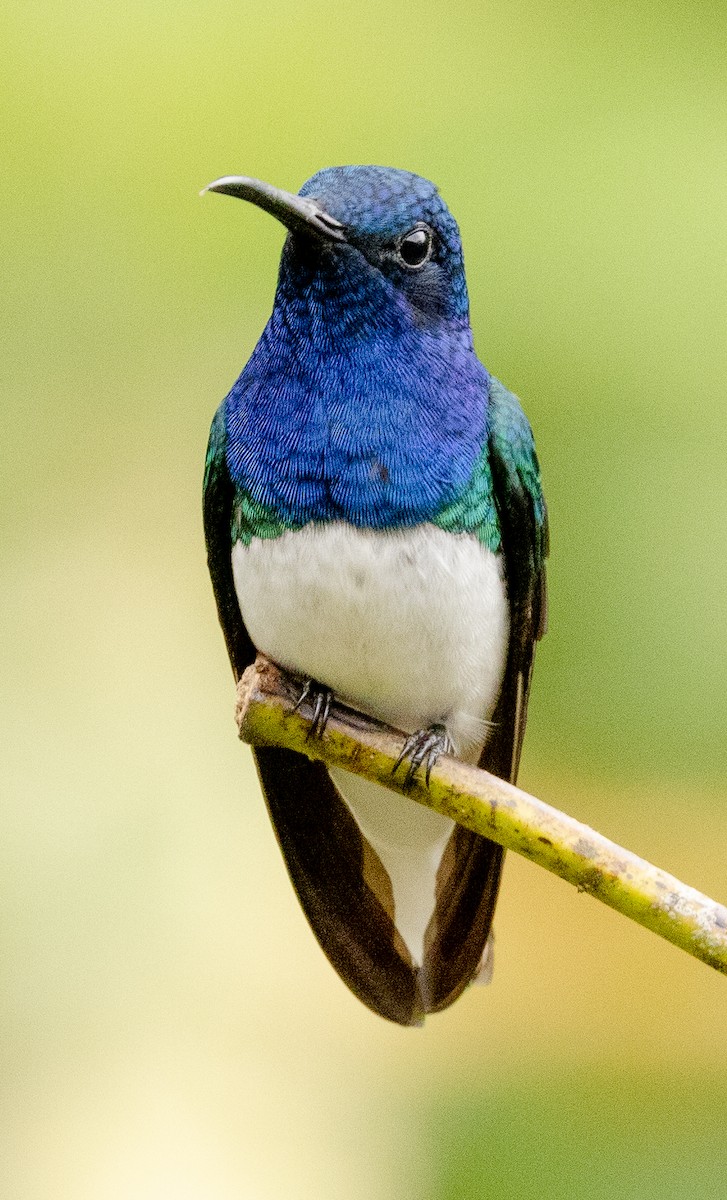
(414, 247)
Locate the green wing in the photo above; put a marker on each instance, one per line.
(523, 523)
(219, 509)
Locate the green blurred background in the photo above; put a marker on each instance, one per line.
(170, 1027)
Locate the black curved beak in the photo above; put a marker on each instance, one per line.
(299, 214)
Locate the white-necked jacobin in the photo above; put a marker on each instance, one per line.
(375, 525)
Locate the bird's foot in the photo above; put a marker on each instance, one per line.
(423, 748)
(320, 699)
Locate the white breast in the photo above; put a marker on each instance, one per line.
(410, 626)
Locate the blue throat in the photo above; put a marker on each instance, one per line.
(355, 405)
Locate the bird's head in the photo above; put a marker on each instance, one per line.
(375, 244)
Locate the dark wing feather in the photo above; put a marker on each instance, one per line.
(524, 530)
(218, 500)
(470, 872)
(324, 853)
(467, 886)
(326, 856)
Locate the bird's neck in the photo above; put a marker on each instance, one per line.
(347, 413)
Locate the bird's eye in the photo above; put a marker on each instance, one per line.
(415, 247)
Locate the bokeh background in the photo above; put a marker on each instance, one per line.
(170, 1028)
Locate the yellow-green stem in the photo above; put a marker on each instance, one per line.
(266, 716)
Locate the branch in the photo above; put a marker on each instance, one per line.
(266, 716)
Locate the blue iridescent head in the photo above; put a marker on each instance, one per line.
(366, 244)
(363, 399)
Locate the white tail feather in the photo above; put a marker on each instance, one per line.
(410, 841)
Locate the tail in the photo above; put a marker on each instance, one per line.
(400, 971)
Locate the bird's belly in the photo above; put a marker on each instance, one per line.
(409, 625)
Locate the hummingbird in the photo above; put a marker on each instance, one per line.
(375, 524)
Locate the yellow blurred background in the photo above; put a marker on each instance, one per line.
(170, 1027)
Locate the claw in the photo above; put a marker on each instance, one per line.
(423, 748)
(304, 694)
(321, 699)
(321, 712)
